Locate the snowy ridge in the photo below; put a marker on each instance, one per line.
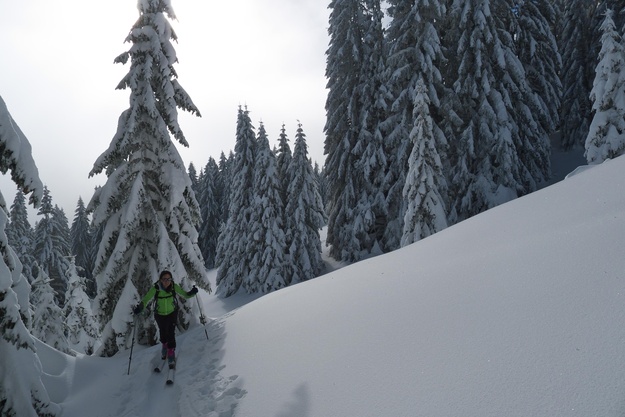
(518, 311)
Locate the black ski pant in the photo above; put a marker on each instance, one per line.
(167, 328)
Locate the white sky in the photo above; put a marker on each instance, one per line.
(58, 78)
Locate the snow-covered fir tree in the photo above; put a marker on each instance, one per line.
(216, 179)
(425, 190)
(48, 318)
(305, 215)
(147, 203)
(284, 156)
(596, 14)
(210, 206)
(529, 115)
(52, 247)
(538, 50)
(193, 176)
(488, 147)
(352, 64)
(606, 137)
(370, 211)
(233, 258)
(344, 57)
(323, 185)
(62, 230)
(81, 245)
(415, 53)
(96, 233)
(21, 235)
(266, 242)
(224, 183)
(82, 329)
(21, 391)
(575, 111)
(616, 6)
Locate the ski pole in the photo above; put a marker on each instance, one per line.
(202, 318)
(134, 326)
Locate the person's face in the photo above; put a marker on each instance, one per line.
(166, 280)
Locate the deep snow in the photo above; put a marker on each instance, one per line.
(518, 311)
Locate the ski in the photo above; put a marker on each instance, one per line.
(157, 369)
(171, 374)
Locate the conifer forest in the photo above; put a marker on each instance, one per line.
(436, 111)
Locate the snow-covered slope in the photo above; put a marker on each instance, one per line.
(519, 311)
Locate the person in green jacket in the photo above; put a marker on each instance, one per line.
(166, 311)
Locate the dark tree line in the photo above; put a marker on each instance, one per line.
(449, 110)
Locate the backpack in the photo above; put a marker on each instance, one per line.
(171, 290)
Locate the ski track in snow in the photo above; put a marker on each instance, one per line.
(144, 390)
(198, 375)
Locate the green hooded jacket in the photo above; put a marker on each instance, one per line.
(165, 299)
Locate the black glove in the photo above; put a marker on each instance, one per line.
(138, 309)
(193, 291)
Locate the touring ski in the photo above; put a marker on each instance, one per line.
(158, 368)
(171, 374)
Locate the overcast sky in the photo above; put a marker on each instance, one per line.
(58, 78)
